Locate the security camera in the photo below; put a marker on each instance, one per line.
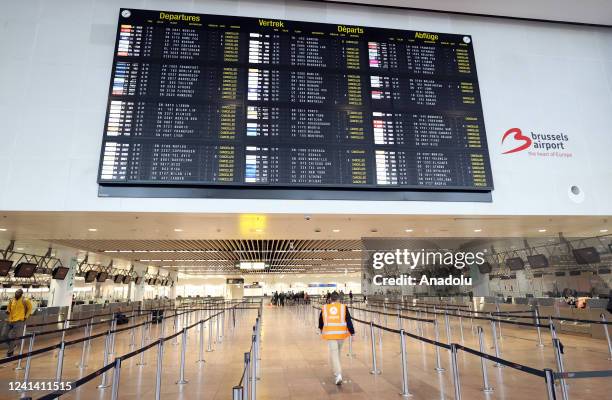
(307, 217)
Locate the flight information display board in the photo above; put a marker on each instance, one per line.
(210, 100)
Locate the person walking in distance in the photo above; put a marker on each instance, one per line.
(336, 325)
(18, 310)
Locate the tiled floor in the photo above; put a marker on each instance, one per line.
(294, 364)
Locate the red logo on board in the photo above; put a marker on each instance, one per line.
(518, 137)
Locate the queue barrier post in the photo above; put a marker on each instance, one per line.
(437, 348)
(175, 329)
(26, 374)
(499, 320)
(448, 328)
(143, 340)
(350, 352)
(559, 358)
(253, 374)
(210, 333)
(182, 380)
(104, 384)
(455, 370)
(605, 328)
(23, 333)
(201, 350)
(60, 362)
(405, 392)
(82, 364)
(375, 370)
(160, 360)
(461, 328)
(549, 378)
(237, 393)
(116, 377)
(483, 362)
(536, 317)
(495, 344)
(247, 378)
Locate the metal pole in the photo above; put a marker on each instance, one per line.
(116, 377)
(60, 362)
(461, 328)
(237, 393)
(399, 320)
(455, 370)
(201, 354)
(104, 384)
(217, 318)
(82, 365)
(247, 378)
(182, 379)
(160, 359)
(448, 329)
(499, 320)
(254, 373)
(605, 327)
(537, 321)
(483, 362)
(350, 353)
(143, 339)
(375, 370)
(495, 344)
(405, 392)
(23, 333)
(222, 324)
(559, 358)
(210, 334)
(549, 378)
(26, 373)
(175, 339)
(437, 336)
(113, 329)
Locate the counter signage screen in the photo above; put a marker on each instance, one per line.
(24, 270)
(515, 263)
(60, 273)
(90, 276)
(102, 276)
(537, 261)
(220, 101)
(5, 266)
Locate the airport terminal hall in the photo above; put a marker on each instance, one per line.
(305, 200)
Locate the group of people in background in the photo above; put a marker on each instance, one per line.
(290, 298)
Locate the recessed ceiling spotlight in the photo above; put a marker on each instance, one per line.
(477, 230)
(92, 230)
(258, 230)
(408, 230)
(19, 248)
(335, 230)
(178, 230)
(2, 229)
(601, 230)
(542, 230)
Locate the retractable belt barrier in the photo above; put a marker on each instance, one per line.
(548, 375)
(116, 363)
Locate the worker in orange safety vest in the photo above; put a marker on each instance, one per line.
(336, 325)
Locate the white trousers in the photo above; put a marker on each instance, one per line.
(335, 350)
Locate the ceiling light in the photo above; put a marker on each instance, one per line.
(408, 230)
(601, 230)
(2, 229)
(477, 230)
(258, 230)
(542, 230)
(19, 248)
(335, 230)
(92, 230)
(178, 230)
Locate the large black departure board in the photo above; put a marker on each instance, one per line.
(211, 100)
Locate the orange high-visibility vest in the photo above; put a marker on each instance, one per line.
(334, 322)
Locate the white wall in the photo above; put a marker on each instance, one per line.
(55, 69)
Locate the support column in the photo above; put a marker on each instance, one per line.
(60, 291)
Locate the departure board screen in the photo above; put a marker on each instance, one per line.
(211, 100)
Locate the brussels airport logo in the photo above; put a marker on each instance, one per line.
(535, 144)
